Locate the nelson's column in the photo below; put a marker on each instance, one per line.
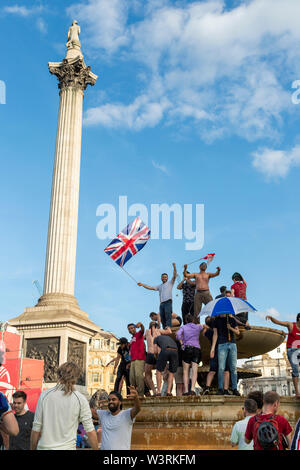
(56, 329)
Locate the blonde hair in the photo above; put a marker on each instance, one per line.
(68, 374)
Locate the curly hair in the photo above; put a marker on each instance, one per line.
(68, 374)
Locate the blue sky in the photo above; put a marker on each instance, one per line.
(193, 105)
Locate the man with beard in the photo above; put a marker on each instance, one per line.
(117, 424)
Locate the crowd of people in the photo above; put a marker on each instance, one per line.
(174, 354)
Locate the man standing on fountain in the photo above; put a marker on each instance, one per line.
(165, 295)
(292, 347)
(202, 294)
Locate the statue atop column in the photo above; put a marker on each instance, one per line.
(73, 44)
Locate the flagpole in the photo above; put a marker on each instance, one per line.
(128, 274)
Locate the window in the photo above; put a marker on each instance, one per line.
(95, 378)
(272, 372)
(112, 346)
(96, 361)
(273, 388)
(96, 343)
(278, 350)
(111, 379)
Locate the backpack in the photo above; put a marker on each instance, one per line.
(266, 433)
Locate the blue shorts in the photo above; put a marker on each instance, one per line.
(294, 359)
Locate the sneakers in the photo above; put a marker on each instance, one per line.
(236, 393)
(220, 391)
(206, 391)
(226, 392)
(192, 392)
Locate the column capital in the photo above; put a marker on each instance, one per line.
(72, 73)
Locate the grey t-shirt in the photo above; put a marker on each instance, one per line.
(164, 342)
(165, 291)
(22, 440)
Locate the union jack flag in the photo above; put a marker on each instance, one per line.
(131, 240)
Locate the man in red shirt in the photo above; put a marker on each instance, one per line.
(138, 357)
(238, 289)
(270, 408)
(292, 347)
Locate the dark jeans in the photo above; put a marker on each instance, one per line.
(122, 372)
(165, 310)
(186, 308)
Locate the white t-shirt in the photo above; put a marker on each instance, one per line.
(238, 434)
(115, 430)
(165, 291)
(57, 417)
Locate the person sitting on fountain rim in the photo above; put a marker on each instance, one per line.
(202, 294)
(238, 289)
(166, 351)
(189, 335)
(292, 347)
(225, 328)
(165, 295)
(208, 332)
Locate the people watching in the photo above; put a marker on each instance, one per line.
(166, 352)
(8, 422)
(238, 289)
(25, 419)
(258, 397)
(268, 428)
(238, 432)
(189, 335)
(150, 363)
(116, 423)
(165, 295)
(58, 412)
(176, 319)
(225, 328)
(222, 292)
(188, 288)
(138, 357)
(122, 361)
(202, 294)
(208, 332)
(292, 347)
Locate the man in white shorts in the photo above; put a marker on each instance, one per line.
(116, 423)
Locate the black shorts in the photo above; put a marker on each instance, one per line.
(191, 354)
(150, 359)
(165, 356)
(214, 363)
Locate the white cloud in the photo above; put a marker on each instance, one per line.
(216, 70)
(270, 311)
(160, 167)
(41, 25)
(106, 22)
(20, 10)
(276, 163)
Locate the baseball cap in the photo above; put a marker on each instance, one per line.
(123, 341)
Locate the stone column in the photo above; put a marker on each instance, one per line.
(73, 77)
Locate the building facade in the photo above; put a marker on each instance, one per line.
(275, 371)
(102, 350)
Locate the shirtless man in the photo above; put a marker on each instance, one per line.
(150, 363)
(202, 294)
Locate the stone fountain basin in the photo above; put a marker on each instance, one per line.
(259, 340)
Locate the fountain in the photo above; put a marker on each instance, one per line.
(204, 422)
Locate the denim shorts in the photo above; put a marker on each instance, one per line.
(294, 359)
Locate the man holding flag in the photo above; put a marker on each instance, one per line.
(165, 295)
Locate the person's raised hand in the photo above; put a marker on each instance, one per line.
(133, 392)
